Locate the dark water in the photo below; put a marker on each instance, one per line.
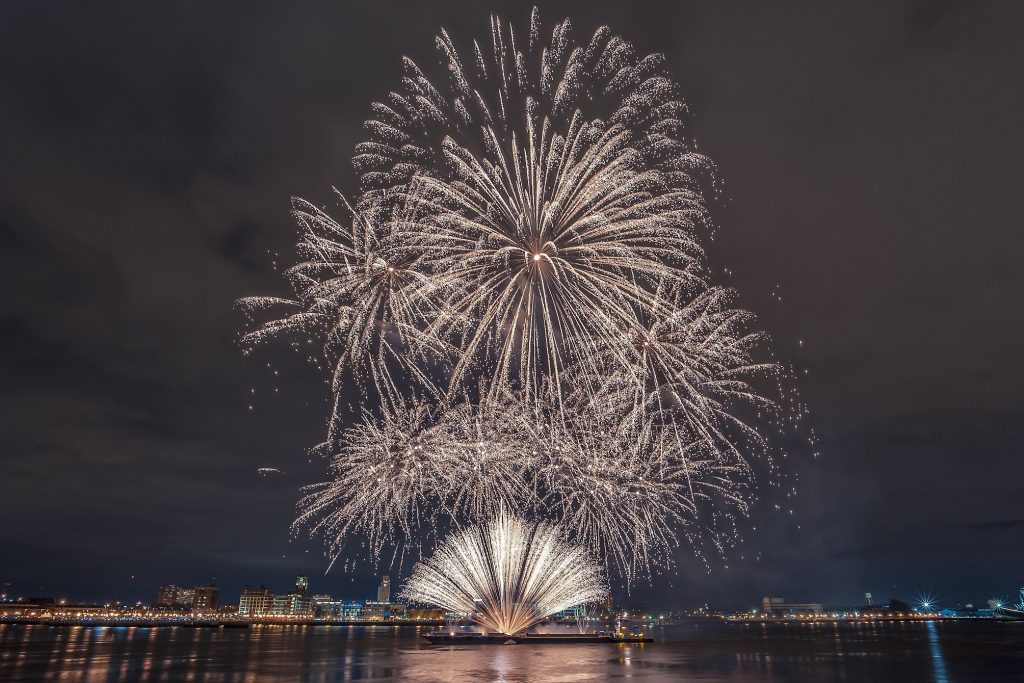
(703, 651)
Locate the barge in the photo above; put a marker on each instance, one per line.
(449, 638)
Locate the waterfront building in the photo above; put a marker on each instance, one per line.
(778, 607)
(293, 604)
(205, 598)
(348, 610)
(424, 613)
(255, 602)
(379, 611)
(175, 597)
(384, 589)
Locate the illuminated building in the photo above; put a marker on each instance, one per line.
(205, 598)
(374, 611)
(175, 597)
(434, 614)
(349, 610)
(384, 589)
(294, 604)
(779, 607)
(255, 602)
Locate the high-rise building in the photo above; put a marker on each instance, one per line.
(255, 602)
(301, 585)
(384, 589)
(205, 598)
(175, 597)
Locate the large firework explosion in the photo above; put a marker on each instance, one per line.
(508, 573)
(515, 313)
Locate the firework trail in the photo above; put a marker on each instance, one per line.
(509, 574)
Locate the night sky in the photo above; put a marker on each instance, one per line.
(872, 154)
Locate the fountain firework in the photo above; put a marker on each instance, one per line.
(509, 574)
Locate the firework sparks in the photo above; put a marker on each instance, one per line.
(519, 298)
(358, 294)
(509, 574)
(553, 183)
(447, 460)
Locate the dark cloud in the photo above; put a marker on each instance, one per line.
(871, 157)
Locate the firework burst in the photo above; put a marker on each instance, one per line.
(362, 297)
(517, 315)
(413, 471)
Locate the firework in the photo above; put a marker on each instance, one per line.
(517, 316)
(512, 82)
(359, 295)
(553, 184)
(509, 574)
(413, 471)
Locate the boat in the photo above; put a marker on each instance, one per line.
(1015, 613)
(463, 638)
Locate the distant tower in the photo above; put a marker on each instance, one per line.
(301, 584)
(867, 599)
(384, 589)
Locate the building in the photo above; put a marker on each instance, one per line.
(608, 606)
(205, 598)
(778, 607)
(255, 602)
(379, 611)
(292, 604)
(384, 589)
(295, 603)
(347, 610)
(424, 614)
(175, 597)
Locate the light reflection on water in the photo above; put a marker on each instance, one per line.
(938, 662)
(705, 651)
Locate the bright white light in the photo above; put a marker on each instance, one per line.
(522, 572)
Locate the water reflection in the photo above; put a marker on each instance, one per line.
(937, 661)
(706, 651)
